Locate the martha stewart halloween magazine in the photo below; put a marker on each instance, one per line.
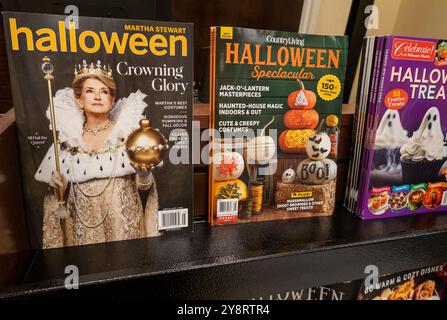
(403, 166)
(103, 110)
(275, 109)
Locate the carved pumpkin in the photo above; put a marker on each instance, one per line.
(301, 119)
(294, 141)
(227, 165)
(232, 189)
(318, 146)
(302, 99)
(315, 172)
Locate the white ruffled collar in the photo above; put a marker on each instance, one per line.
(126, 113)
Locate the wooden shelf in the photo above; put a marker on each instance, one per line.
(240, 261)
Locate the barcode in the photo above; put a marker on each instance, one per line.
(444, 199)
(171, 219)
(227, 207)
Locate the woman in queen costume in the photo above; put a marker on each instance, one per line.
(99, 183)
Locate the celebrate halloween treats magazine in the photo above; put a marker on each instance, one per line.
(275, 111)
(104, 114)
(402, 169)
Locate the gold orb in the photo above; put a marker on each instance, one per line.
(145, 146)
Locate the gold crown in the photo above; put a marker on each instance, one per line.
(98, 69)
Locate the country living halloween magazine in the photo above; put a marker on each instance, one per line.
(275, 106)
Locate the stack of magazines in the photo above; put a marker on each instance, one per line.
(398, 159)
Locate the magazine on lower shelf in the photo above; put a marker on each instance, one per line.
(428, 283)
(104, 116)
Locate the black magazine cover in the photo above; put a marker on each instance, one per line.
(121, 97)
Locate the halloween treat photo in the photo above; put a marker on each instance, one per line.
(390, 137)
(426, 283)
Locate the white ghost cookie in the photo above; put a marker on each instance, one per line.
(390, 133)
(427, 142)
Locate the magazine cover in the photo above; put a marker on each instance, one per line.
(406, 172)
(340, 291)
(103, 109)
(360, 122)
(427, 283)
(371, 121)
(275, 104)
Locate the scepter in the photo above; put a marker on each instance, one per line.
(47, 68)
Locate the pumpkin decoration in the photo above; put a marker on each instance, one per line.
(312, 171)
(301, 119)
(227, 165)
(261, 148)
(332, 121)
(288, 176)
(318, 146)
(232, 189)
(302, 99)
(294, 141)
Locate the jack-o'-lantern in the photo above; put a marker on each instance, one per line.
(318, 146)
(302, 99)
(294, 141)
(227, 165)
(301, 119)
(316, 172)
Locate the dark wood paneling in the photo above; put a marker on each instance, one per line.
(200, 196)
(3, 64)
(5, 92)
(13, 266)
(2, 48)
(342, 174)
(4, 78)
(344, 146)
(282, 15)
(5, 105)
(12, 217)
(5, 89)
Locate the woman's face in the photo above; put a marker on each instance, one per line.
(95, 97)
